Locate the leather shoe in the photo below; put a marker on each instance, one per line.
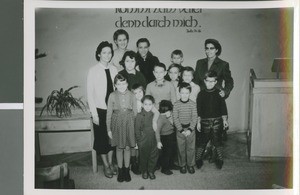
(166, 171)
(107, 172)
(145, 175)
(183, 170)
(199, 164)
(120, 177)
(219, 163)
(151, 175)
(191, 169)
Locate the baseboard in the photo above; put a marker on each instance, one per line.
(269, 159)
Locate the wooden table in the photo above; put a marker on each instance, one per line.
(77, 123)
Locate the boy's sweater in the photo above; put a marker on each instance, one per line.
(185, 113)
(164, 127)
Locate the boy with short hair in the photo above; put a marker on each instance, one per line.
(177, 57)
(185, 120)
(161, 89)
(212, 113)
(146, 140)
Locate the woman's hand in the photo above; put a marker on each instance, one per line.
(109, 134)
(222, 93)
(159, 145)
(225, 124)
(95, 120)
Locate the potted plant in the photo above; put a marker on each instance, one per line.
(61, 102)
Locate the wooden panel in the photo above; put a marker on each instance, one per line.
(271, 123)
(62, 125)
(66, 142)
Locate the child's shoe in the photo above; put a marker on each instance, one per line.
(120, 174)
(145, 175)
(135, 168)
(191, 169)
(127, 176)
(219, 163)
(183, 170)
(166, 171)
(151, 175)
(199, 163)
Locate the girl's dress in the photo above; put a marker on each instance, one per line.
(121, 112)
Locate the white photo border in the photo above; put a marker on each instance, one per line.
(29, 45)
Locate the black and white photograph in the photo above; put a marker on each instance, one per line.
(161, 98)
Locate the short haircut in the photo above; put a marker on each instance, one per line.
(175, 66)
(165, 106)
(159, 64)
(142, 40)
(177, 52)
(120, 77)
(148, 97)
(211, 74)
(130, 54)
(185, 86)
(215, 43)
(188, 69)
(120, 32)
(137, 86)
(102, 45)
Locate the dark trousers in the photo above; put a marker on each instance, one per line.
(148, 152)
(168, 151)
(211, 130)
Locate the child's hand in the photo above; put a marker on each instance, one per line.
(95, 120)
(188, 133)
(136, 146)
(225, 124)
(199, 126)
(109, 134)
(159, 145)
(184, 133)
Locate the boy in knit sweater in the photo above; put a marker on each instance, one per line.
(212, 112)
(166, 137)
(185, 120)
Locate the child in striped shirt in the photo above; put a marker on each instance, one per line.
(185, 120)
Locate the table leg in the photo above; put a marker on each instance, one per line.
(37, 147)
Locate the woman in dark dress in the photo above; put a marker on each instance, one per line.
(212, 61)
(99, 86)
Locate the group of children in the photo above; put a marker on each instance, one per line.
(167, 122)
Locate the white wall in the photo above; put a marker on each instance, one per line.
(250, 39)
